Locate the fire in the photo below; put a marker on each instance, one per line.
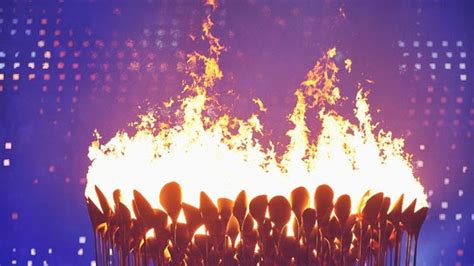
(222, 155)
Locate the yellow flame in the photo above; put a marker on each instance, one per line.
(222, 155)
(212, 3)
(260, 104)
(348, 65)
(320, 81)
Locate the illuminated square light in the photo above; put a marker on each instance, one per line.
(419, 164)
(422, 147)
(449, 54)
(14, 262)
(462, 54)
(444, 43)
(442, 217)
(2, 76)
(460, 193)
(31, 65)
(472, 216)
(29, 263)
(16, 65)
(6, 162)
(82, 240)
(462, 65)
(16, 76)
(444, 204)
(80, 252)
(458, 216)
(14, 217)
(429, 43)
(417, 66)
(45, 263)
(464, 169)
(28, 32)
(433, 66)
(446, 181)
(430, 193)
(418, 55)
(459, 43)
(447, 66)
(45, 65)
(33, 54)
(50, 251)
(463, 77)
(47, 54)
(401, 44)
(8, 145)
(33, 252)
(416, 44)
(2, 54)
(93, 263)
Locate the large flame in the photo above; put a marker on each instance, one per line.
(222, 155)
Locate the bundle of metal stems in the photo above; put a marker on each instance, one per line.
(262, 231)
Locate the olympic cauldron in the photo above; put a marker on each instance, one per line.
(257, 231)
